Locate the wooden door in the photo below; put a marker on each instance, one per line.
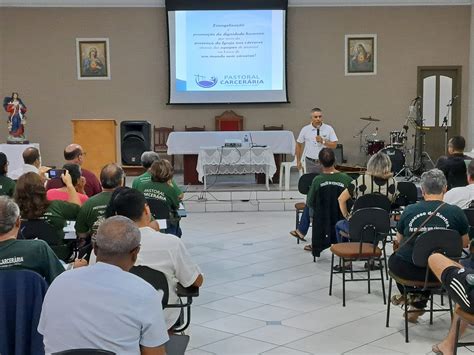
(437, 87)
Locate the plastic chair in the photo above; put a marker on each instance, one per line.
(285, 169)
(445, 241)
(304, 184)
(158, 280)
(21, 297)
(368, 226)
(468, 318)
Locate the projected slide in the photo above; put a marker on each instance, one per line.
(227, 56)
(229, 50)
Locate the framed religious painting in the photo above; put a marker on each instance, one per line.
(93, 58)
(360, 55)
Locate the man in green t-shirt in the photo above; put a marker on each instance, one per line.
(34, 255)
(93, 210)
(329, 175)
(414, 219)
(147, 159)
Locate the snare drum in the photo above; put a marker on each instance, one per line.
(397, 157)
(397, 138)
(375, 146)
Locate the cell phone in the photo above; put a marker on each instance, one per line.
(55, 173)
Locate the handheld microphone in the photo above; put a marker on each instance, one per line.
(317, 131)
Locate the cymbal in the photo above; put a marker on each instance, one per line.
(370, 119)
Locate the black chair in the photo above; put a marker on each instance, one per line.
(159, 209)
(380, 201)
(326, 215)
(304, 183)
(468, 318)
(21, 297)
(158, 280)
(40, 229)
(84, 352)
(407, 193)
(367, 228)
(445, 241)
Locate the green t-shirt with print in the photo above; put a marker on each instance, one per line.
(146, 177)
(160, 191)
(337, 178)
(34, 255)
(58, 213)
(7, 186)
(92, 213)
(447, 217)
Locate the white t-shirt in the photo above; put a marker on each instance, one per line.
(102, 307)
(167, 253)
(460, 196)
(308, 136)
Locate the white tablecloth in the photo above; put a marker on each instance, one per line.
(14, 153)
(218, 160)
(279, 142)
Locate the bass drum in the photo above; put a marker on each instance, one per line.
(397, 157)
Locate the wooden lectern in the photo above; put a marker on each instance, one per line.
(98, 139)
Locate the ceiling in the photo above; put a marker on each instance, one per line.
(160, 3)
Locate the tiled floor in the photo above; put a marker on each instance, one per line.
(264, 295)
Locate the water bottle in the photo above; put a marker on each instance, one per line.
(246, 141)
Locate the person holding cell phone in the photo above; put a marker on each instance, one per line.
(30, 195)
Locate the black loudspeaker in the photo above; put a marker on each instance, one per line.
(135, 138)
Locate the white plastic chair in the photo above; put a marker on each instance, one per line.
(285, 168)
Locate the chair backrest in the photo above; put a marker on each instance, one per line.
(84, 352)
(21, 297)
(37, 229)
(444, 241)
(194, 129)
(158, 208)
(229, 121)
(161, 136)
(407, 193)
(155, 278)
(273, 128)
(305, 181)
(177, 344)
(372, 200)
(369, 224)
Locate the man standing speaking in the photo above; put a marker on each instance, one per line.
(312, 138)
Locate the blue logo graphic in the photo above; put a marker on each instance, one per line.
(205, 83)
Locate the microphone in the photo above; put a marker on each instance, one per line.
(417, 98)
(317, 131)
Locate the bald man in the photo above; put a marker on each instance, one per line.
(74, 154)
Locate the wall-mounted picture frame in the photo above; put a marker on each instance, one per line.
(360, 54)
(93, 58)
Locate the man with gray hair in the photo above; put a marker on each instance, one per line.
(147, 159)
(34, 254)
(416, 219)
(112, 309)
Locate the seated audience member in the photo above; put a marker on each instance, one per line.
(462, 196)
(328, 174)
(78, 181)
(106, 307)
(34, 255)
(433, 186)
(453, 165)
(377, 179)
(163, 252)
(32, 163)
(147, 159)
(161, 188)
(74, 154)
(455, 280)
(93, 210)
(7, 185)
(30, 195)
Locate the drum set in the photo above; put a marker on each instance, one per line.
(396, 149)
